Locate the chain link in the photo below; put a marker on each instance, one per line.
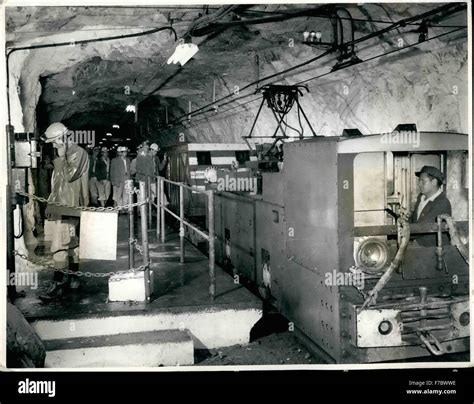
(84, 208)
(137, 246)
(50, 267)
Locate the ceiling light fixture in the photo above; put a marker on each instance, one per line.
(183, 52)
(115, 126)
(130, 108)
(315, 39)
(108, 134)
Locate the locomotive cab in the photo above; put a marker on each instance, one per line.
(425, 300)
(354, 285)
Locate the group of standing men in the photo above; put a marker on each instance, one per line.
(106, 175)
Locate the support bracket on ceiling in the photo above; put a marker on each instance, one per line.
(281, 99)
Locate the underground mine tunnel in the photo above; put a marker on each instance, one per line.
(237, 185)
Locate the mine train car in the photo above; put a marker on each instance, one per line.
(187, 163)
(324, 217)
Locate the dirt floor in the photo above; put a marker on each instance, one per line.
(282, 348)
(275, 349)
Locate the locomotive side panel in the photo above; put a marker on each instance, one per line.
(235, 232)
(307, 298)
(271, 252)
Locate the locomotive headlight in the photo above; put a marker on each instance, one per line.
(372, 255)
(464, 319)
(385, 327)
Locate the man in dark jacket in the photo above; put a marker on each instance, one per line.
(431, 203)
(119, 173)
(93, 183)
(103, 176)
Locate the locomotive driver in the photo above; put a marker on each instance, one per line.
(431, 203)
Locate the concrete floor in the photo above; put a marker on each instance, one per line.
(175, 285)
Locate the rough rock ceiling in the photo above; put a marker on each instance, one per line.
(92, 90)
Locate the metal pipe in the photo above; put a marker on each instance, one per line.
(158, 207)
(131, 225)
(423, 299)
(10, 203)
(212, 274)
(144, 229)
(11, 288)
(180, 184)
(150, 199)
(162, 203)
(181, 225)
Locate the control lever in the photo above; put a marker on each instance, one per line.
(392, 213)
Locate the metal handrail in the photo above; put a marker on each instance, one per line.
(161, 209)
(191, 188)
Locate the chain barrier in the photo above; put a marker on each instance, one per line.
(86, 208)
(48, 266)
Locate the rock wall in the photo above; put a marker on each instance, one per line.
(426, 86)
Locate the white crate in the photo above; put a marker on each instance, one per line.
(129, 286)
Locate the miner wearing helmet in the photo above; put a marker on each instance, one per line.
(119, 173)
(158, 167)
(69, 185)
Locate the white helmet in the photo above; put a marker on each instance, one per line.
(122, 148)
(54, 131)
(154, 146)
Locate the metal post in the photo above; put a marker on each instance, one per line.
(181, 225)
(150, 200)
(212, 274)
(11, 289)
(144, 229)
(158, 207)
(162, 202)
(131, 225)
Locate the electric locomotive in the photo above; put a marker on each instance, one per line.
(326, 241)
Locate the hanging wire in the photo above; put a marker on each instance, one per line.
(393, 26)
(311, 78)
